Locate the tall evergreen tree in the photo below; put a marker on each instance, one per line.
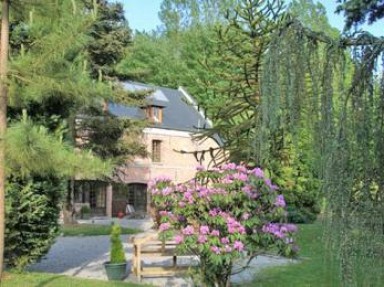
(111, 137)
(110, 35)
(49, 79)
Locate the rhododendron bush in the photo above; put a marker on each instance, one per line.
(222, 215)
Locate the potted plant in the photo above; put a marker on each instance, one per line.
(117, 265)
(85, 212)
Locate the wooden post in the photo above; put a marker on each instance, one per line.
(138, 262)
(174, 261)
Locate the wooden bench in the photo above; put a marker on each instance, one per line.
(150, 247)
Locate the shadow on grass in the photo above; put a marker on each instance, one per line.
(47, 281)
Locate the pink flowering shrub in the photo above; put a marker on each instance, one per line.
(221, 215)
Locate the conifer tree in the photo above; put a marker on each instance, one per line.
(357, 12)
(41, 73)
(110, 35)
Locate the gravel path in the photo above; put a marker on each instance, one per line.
(84, 257)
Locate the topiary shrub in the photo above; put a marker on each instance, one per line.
(117, 254)
(32, 213)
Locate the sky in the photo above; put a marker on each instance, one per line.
(143, 15)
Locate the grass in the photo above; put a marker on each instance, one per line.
(92, 230)
(52, 280)
(312, 271)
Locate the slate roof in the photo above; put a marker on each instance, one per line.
(180, 111)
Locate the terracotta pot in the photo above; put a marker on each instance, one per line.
(120, 214)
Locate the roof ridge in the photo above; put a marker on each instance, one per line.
(195, 105)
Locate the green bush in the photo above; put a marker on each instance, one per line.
(117, 254)
(32, 213)
(85, 212)
(301, 214)
(295, 174)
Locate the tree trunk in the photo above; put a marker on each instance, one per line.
(3, 118)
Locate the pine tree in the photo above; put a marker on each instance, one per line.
(43, 72)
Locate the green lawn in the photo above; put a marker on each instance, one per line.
(92, 229)
(313, 270)
(51, 280)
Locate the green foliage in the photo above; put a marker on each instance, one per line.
(33, 150)
(292, 170)
(336, 121)
(313, 15)
(357, 12)
(176, 55)
(110, 36)
(92, 230)
(35, 279)
(50, 66)
(117, 254)
(32, 210)
(49, 79)
(111, 137)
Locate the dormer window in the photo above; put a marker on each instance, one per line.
(154, 113)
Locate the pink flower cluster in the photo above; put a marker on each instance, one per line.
(234, 226)
(227, 248)
(279, 230)
(189, 230)
(211, 212)
(258, 172)
(204, 229)
(178, 239)
(280, 201)
(158, 179)
(164, 226)
(250, 191)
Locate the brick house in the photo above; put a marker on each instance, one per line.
(173, 147)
